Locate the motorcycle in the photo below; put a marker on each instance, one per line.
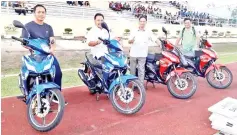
(165, 68)
(40, 93)
(109, 76)
(202, 64)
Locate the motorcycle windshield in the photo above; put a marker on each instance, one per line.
(117, 59)
(114, 46)
(40, 46)
(39, 65)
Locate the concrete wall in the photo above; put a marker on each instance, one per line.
(79, 25)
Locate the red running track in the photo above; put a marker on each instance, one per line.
(161, 115)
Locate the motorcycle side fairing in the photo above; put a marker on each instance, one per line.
(32, 67)
(40, 66)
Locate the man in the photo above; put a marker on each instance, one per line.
(98, 49)
(190, 38)
(139, 39)
(39, 29)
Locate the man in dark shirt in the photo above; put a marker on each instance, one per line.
(39, 29)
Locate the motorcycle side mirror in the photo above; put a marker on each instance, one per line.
(18, 24)
(105, 26)
(164, 30)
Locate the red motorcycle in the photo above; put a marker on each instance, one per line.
(167, 68)
(202, 63)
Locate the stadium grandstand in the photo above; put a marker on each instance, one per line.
(124, 14)
(157, 11)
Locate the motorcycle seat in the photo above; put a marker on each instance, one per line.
(189, 57)
(96, 63)
(153, 57)
(197, 53)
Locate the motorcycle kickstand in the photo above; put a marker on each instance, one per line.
(146, 84)
(97, 96)
(23, 98)
(153, 85)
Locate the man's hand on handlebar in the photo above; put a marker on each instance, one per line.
(106, 42)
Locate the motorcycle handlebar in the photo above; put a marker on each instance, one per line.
(18, 39)
(100, 38)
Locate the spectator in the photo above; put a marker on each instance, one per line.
(20, 10)
(87, 4)
(208, 17)
(70, 3)
(185, 9)
(124, 6)
(129, 7)
(4, 4)
(80, 3)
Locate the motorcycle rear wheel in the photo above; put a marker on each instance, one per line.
(221, 86)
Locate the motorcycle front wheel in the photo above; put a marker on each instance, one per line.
(183, 87)
(220, 79)
(131, 99)
(51, 111)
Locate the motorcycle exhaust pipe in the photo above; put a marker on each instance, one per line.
(83, 77)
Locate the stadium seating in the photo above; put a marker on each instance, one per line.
(84, 15)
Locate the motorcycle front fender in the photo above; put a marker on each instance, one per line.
(124, 79)
(178, 71)
(38, 89)
(212, 67)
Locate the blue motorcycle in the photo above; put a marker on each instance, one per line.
(108, 76)
(36, 82)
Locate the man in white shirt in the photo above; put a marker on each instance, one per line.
(98, 49)
(140, 38)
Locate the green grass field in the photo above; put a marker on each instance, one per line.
(70, 78)
(10, 84)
